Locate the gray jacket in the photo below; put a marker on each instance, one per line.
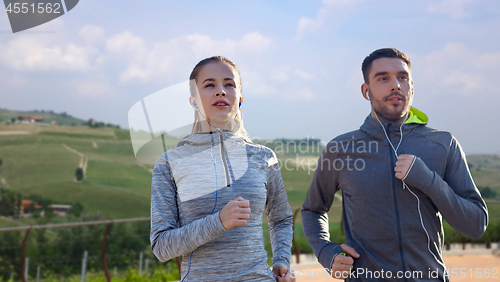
(381, 219)
(189, 190)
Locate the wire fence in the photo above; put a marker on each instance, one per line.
(40, 252)
(60, 249)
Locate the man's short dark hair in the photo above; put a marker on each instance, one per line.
(382, 53)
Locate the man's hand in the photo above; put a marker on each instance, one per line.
(341, 266)
(402, 165)
(235, 213)
(282, 273)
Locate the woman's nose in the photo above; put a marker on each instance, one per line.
(220, 92)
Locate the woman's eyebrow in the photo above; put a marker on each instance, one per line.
(208, 79)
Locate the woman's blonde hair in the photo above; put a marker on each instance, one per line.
(240, 129)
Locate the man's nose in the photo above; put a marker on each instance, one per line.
(395, 85)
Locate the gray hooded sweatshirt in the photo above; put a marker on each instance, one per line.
(193, 182)
(381, 219)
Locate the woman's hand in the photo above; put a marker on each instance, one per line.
(282, 273)
(235, 213)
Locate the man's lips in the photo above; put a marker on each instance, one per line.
(395, 100)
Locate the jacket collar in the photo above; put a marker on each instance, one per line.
(372, 127)
(209, 138)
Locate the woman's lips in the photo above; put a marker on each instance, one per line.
(220, 104)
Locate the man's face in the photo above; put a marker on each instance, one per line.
(389, 89)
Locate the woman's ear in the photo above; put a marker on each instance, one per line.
(192, 101)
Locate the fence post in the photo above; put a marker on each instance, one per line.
(178, 261)
(23, 276)
(147, 266)
(26, 269)
(84, 265)
(140, 263)
(295, 248)
(103, 253)
(38, 273)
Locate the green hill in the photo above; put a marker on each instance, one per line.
(48, 116)
(42, 160)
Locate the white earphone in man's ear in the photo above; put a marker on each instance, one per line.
(368, 96)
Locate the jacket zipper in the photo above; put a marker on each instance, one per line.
(394, 190)
(224, 163)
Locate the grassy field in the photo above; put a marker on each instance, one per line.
(44, 161)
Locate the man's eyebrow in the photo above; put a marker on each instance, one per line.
(380, 73)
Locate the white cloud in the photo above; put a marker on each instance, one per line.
(126, 43)
(93, 89)
(336, 10)
(303, 75)
(455, 8)
(165, 57)
(29, 53)
(305, 94)
(458, 68)
(92, 34)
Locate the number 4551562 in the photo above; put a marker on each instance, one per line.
(41, 8)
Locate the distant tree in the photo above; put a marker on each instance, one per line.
(487, 192)
(79, 174)
(76, 209)
(7, 202)
(1, 162)
(73, 124)
(13, 120)
(19, 117)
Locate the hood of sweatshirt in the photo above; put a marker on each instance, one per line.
(208, 139)
(372, 127)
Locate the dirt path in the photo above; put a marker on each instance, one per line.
(4, 183)
(83, 159)
(145, 167)
(18, 132)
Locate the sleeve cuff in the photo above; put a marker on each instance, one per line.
(419, 175)
(285, 262)
(327, 255)
(216, 223)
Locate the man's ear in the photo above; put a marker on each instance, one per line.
(364, 91)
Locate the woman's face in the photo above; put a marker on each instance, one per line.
(219, 91)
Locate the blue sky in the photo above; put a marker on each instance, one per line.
(299, 60)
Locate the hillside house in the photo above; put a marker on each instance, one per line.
(60, 210)
(31, 119)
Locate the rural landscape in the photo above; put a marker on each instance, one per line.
(58, 169)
